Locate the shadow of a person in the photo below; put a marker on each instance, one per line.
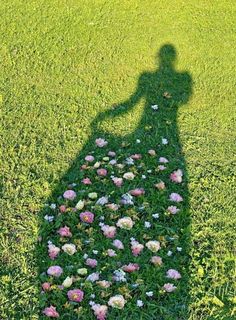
(168, 89)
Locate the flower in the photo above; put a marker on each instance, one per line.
(117, 181)
(80, 205)
(92, 195)
(136, 156)
(164, 141)
(100, 311)
(102, 172)
(69, 195)
(86, 181)
(173, 274)
(128, 176)
(137, 192)
(69, 248)
(62, 208)
(175, 197)
(91, 262)
(127, 199)
(160, 185)
(169, 287)
(117, 301)
(46, 286)
(139, 303)
(51, 312)
(119, 276)
(93, 277)
(152, 152)
(112, 206)
(89, 158)
(111, 253)
(176, 176)
(67, 282)
(75, 295)
(147, 224)
(97, 164)
(64, 232)
(111, 154)
(163, 160)
(82, 271)
(125, 223)
(104, 283)
(55, 271)
(153, 245)
(131, 267)
(136, 248)
(172, 209)
(149, 293)
(161, 168)
(86, 217)
(154, 107)
(109, 231)
(101, 201)
(156, 260)
(100, 142)
(118, 244)
(53, 251)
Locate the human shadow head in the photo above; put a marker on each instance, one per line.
(167, 56)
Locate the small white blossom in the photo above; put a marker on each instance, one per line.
(53, 206)
(149, 293)
(169, 253)
(147, 224)
(179, 249)
(155, 215)
(164, 141)
(49, 218)
(138, 141)
(154, 107)
(139, 303)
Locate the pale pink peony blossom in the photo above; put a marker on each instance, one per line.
(100, 142)
(53, 251)
(51, 312)
(46, 286)
(112, 206)
(131, 267)
(102, 172)
(117, 181)
(91, 262)
(136, 156)
(111, 253)
(69, 195)
(89, 158)
(136, 248)
(100, 311)
(86, 181)
(62, 208)
(176, 176)
(169, 287)
(160, 185)
(137, 192)
(109, 231)
(55, 271)
(163, 160)
(104, 284)
(173, 209)
(118, 244)
(173, 274)
(111, 154)
(175, 197)
(156, 260)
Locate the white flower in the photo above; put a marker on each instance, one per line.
(139, 303)
(95, 251)
(155, 215)
(101, 201)
(164, 141)
(154, 107)
(169, 253)
(119, 275)
(53, 206)
(138, 141)
(85, 256)
(149, 293)
(125, 223)
(117, 301)
(128, 176)
(143, 176)
(179, 249)
(92, 195)
(49, 218)
(80, 205)
(69, 248)
(153, 245)
(93, 277)
(147, 224)
(127, 199)
(129, 161)
(67, 282)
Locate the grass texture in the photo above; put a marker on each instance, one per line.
(65, 63)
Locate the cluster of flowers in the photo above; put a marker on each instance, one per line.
(105, 233)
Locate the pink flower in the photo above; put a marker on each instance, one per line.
(136, 248)
(84, 167)
(111, 154)
(91, 262)
(69, 194)
(136, 156)
(89, 158)
(160, 185)
(176, 176)
(109, 231)
(169, 287)
(175, 197)
(100, 311)
(62, 208)
(64, 232)
(137, 192)
(75, 295)
(156, 260)
(172, 209)
(86, 181)
(46, 286)
(54, 271)
(104, 283)
(118, 244)
(53, 251)
(102, 172)
(101, 142)
(117, 181)
(161, 168)
(51, 312)
(173, 274)
(87, 217)
(131, 267)
(163, 160)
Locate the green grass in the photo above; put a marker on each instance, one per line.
(62, 63)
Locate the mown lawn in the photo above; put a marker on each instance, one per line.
(62, 63)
